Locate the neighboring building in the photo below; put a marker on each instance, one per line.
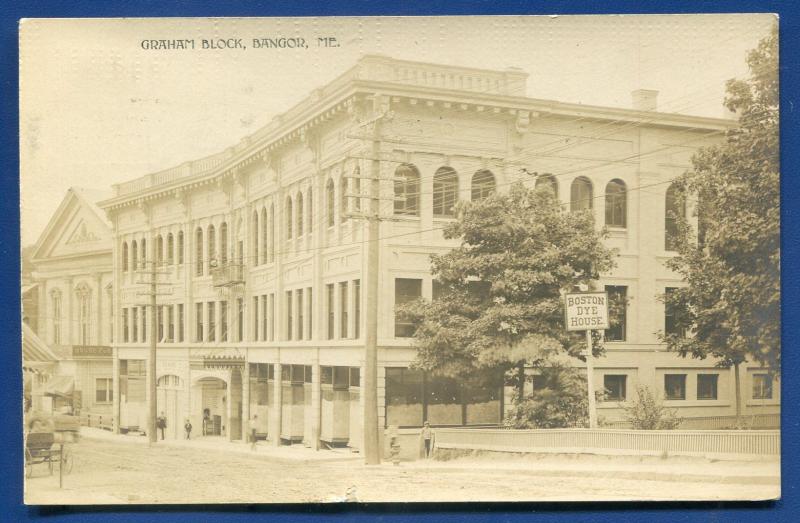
(262, 261)
(68, 306)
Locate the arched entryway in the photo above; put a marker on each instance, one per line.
(171, 399)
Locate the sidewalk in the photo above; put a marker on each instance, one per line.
(289, 453)
(682, 469)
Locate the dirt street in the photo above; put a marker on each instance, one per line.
(116, 472)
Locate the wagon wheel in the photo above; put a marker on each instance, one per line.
(67, 461)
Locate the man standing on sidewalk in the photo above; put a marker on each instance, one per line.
(161, 423)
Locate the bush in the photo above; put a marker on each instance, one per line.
(647, 413)
(562, 403)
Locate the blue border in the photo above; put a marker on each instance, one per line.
(10, 385)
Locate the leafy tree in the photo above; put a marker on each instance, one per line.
(731, 305)
(500, 305)
(560, 403)
(647, 413)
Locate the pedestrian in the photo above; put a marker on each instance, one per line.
(206, 419)
(427, 438)
(252, 426)
(188, 428)
(161, 423)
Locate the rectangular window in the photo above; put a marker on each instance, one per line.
(288, 315)
(135, 323)
(310, 301)
(618, 302)
(437, 290)
(125, 326)
(198, 318)
(356, 309)
(707, 386)
(404, 396)
(538, 382)
(144, 324)
(103, 390)
(670, 317)
(132, 380)
(223, 320)
(300, 315)
(239, 319)
(343, 310)
(264, 318)
(675, 386)
(170, 323)
(255, 319)
(181, 321)
(272, 317)
(762, 387)
(212, 322)
(355, 377)
(405, 290)
(615, 385)
(331, 309)
(160, 322)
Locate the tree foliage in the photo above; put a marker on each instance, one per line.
(731, 306)
(560, 403)
(647, 413)
(500, 303)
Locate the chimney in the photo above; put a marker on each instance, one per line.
(644, 99)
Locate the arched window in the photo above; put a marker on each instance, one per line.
(330, 201)
(445, 192)
(211, 232)
(264, 236)
(223, 242)
(160, 249)
(344, 199)
(271, 228)
(198, 252)
(124, 256)
(580, 194)
(84, 294)
(483, 185)
(180, 247)
(674, 213)
(616, 204)
(134, 255)
(406, 190)
(256, 251)
(548, 181)
(288, 210)
(299, 215)
(310, 206)
(170, 249)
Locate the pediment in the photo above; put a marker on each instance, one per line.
(75, 229)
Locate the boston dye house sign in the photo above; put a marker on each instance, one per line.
(587, 311)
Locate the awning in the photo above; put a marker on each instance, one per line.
(34, 349)
(60, 386)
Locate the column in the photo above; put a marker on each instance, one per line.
(275, 408)
(228, 406)
(115, 412)
(316, 403)
(245, 400)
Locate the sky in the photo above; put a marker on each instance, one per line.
(97, 109)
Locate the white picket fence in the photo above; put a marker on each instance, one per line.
(614, 441)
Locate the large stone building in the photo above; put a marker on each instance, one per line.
(261, 253)
(68, 308)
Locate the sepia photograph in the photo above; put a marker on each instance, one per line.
(400, 259)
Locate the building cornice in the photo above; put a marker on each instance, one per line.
(344, 95)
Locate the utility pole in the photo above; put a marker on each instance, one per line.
(371, 441)
(371, 438)
(150, 378)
